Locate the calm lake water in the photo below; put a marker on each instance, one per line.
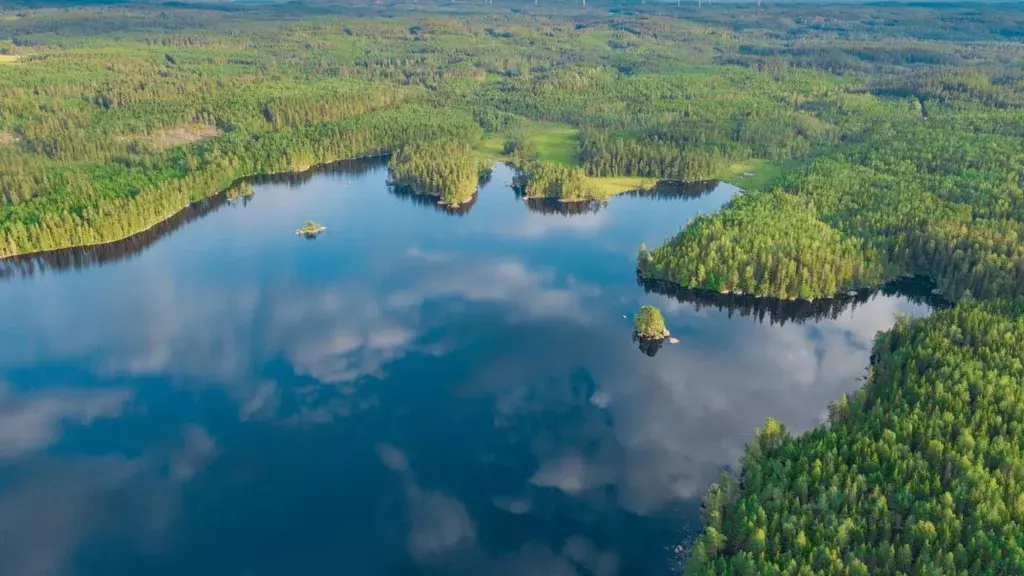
(414, 392)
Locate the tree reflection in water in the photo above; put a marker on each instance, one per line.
(918, 290)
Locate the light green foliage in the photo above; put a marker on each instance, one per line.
(311, 228)
(649, 323)
(557, 143)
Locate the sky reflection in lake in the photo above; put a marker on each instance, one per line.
(414, 392)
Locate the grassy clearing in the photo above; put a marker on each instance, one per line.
(9, 58)
(612, 185)
(762, 173)
(557, 143)
(492, 147)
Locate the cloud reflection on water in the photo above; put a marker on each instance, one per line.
(54, 506)
(31, 421)
(557, 371)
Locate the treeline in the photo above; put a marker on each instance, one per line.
(116, 200)
(447, 170)
(605, 155)
(940, 197)
(919, 472)
(541, 180)
(538, 179)
(138, 133)
(766, 244)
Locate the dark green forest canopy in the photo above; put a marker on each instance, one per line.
(884, 141)
(919, 472)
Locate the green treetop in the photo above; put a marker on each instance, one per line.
(649, 323)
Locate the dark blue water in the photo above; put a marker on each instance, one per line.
(414, 392)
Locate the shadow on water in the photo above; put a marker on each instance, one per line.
(553, 206)
(676, 190)
(408, 194)
(916, 289)
(355, 167)
(664, 190)
(647, 345)
(87, 256)
(240, 192)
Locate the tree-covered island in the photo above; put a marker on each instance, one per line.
(649, 324)
(310, 229)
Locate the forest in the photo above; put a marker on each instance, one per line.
(446, 170)
(874, 143)
(919, 472)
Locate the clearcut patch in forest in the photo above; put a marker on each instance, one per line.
(171, 137)
(7, 139)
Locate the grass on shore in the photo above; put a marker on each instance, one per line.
(607, 186)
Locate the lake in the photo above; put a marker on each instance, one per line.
(416, 391)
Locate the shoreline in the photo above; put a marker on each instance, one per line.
(937, 299)
(165, 218)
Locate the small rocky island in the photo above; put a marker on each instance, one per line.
(310, 229)
(649, 324)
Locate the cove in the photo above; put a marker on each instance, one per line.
(416, 391)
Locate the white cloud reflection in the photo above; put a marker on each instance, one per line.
(438, 523)
(668, 425)
(53, 507)
(657, 429)
(31, 421)
(591, 410)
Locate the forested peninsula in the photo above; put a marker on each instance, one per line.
(872, 143)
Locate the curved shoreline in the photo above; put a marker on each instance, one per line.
(251, 179)
(81, 256)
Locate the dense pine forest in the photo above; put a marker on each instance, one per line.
(874, 143)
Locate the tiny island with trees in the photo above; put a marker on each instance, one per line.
(310, 229)
(648, 324)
